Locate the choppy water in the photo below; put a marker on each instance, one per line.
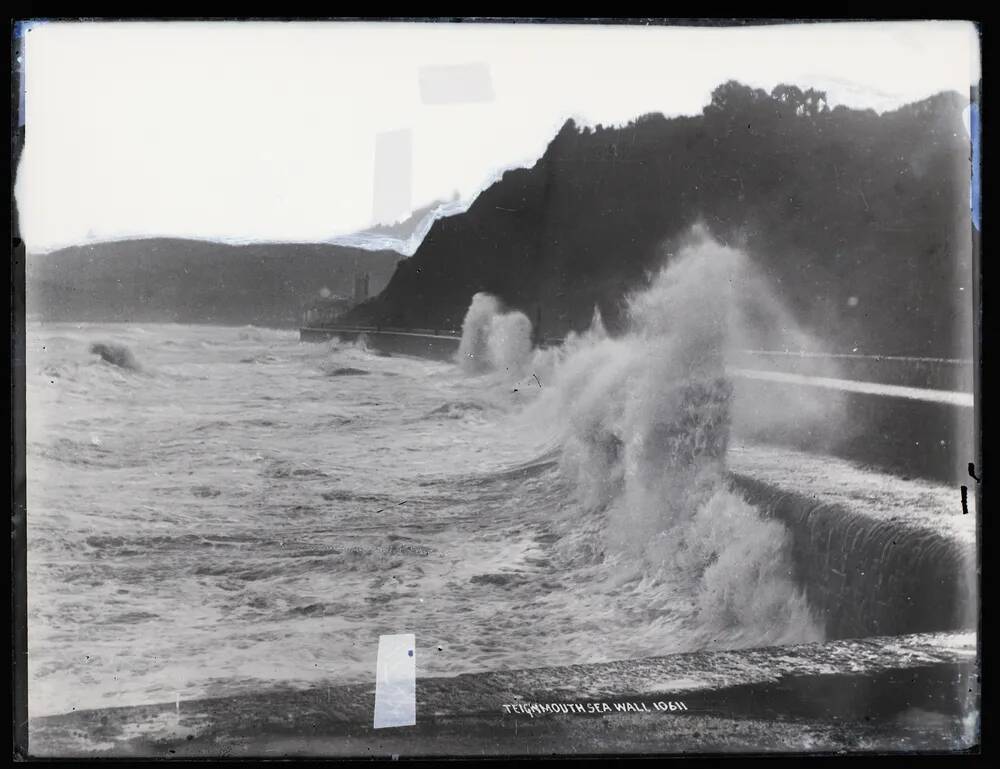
(227, 508)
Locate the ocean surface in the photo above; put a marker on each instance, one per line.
(214, 510)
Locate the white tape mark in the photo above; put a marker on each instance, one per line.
(949, 397)
(396, 681)
(392, 182)
(456, 84)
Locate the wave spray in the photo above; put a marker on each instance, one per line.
(643, 422)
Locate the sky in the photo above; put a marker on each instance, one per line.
(302, 131)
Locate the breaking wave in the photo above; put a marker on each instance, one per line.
(643, 422)
(493, 339)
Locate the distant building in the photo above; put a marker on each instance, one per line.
(325, 310)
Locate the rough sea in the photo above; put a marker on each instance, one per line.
(214, 510)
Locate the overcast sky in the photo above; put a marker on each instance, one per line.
(268, 131)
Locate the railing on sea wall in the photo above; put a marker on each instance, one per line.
(954, 374)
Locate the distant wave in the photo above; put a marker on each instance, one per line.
(493, 339)
(456, 410)
(116, 354)
(86, 453)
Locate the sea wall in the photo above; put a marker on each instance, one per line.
(871, 575)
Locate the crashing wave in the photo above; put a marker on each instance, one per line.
(644, 421)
